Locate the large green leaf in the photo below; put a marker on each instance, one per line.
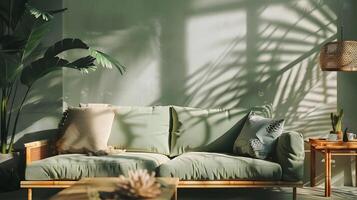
(9, 68)
(106, 61)
(45, 65)
(38, 13)
(64, 45)
(40, 68)
(52, 12)
(38, 31)
(44, 15)
(83, 64)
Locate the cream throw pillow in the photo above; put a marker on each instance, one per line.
(86, 130)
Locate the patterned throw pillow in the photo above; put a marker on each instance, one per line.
(258, 136)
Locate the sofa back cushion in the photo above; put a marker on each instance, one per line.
(208, 130)
(144, 129)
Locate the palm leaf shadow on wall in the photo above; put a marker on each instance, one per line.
(278, 65)
(216, 54)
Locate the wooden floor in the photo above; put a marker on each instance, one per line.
(307, 193)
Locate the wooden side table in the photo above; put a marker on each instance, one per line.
(329, 148)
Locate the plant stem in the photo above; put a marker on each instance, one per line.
(12, 103)
(10, 17)
(16, 120)
(3, 124)
(2, 131)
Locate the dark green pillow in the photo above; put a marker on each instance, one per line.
(258, 136)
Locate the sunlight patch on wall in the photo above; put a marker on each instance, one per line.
(270, 56)
(210, 39)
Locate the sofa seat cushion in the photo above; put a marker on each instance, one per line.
(219, 166)
(77, 166)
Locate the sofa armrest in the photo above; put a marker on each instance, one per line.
(37, 150)
(289, 153)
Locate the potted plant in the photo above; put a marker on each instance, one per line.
(23, 61)
(336, 122)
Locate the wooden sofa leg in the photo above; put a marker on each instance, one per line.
(29, 194)
(174, 197)
(294, 193)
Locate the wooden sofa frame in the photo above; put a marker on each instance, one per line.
(41, 149)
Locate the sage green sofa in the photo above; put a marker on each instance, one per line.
(195, 145)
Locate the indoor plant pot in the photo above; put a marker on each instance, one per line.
(339, 135)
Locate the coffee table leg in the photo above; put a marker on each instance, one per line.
(327, 173)
(356, 170)
(29, 193)
(312, 166)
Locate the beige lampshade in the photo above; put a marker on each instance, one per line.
(339, 56)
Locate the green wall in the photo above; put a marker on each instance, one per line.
(209, 54)
(347, 81)
(346, 92)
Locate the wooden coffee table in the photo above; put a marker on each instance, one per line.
(329, 148)
(85, 188)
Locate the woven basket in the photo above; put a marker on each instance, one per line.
(339, 56)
